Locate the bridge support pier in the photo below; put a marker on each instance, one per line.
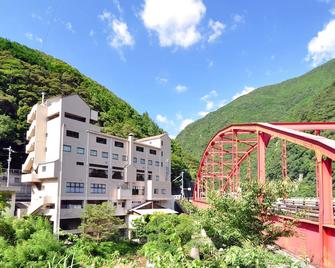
(262, 141)
(326, 214)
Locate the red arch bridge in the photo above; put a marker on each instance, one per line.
(229, 155)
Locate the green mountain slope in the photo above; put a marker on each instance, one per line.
(310, 97)
(26, 73)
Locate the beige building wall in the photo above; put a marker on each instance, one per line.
(74, 164)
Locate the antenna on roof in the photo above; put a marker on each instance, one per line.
(43, 93)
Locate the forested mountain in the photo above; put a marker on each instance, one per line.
(26, 73)
(310, 97)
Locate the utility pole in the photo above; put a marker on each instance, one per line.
(10, 151)
(181, 177)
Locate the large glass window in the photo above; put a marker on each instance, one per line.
(98, 173)
(93, 153)
(80, 150)
(66, 148)
(97, 188)
(139, 149)
(118, 144)
(101, 140)
(117, 173)
(140, 175)
(74, 187)
(72, 204)
(72, 134)
(138, 190)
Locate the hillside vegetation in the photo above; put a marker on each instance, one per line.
(26, 73)
(310, 97)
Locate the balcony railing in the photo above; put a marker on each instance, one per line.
(26, 167)
(31, 131)
(32, 114)
(31, 145)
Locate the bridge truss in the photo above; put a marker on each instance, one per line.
(235, 146)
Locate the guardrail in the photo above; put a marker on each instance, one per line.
(305, 208)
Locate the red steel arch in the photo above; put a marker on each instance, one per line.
(230, 147)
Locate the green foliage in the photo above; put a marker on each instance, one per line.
(99, 223)
(27, 243)
(26, 73)
(4, 197)
(309, 97)
(231, 221)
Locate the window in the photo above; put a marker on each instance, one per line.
(117, 173)
(142, 161)
(80, 150)
(44, 168)
(115, 156)
(150, 162)
(123, 204)
(80, 163)
(138, 190)
(72, 204)
(118, 144)
(72, 134)
(152, 151)
(135, 159)
(45, 149)
(101, 140)
(157, 177)
(93, 153)
(66, 148)
(157, 163)
(74, 187)
(161, 153)
(139, 149)
(17, 180)
(163, 191)
(162, 143)
(140, 175)
(97, 188)
(149, 175)
(50, 117)
(124, 158)
(98, 171)
(156, 191)
(75, 117)
(104, 154)
(161, 164)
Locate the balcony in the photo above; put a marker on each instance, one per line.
(30, 177)
(70, 213)
(32, 115)
(48, 170)
(31, 130)
(124, 194)
(31, 145)
(26, 167)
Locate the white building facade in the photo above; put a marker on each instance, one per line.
(71, 163)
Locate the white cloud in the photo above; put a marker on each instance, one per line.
(91, 33)
(322, 47)
(33, 37)
(332, 11)
(162, 80)
(185, 123)
(175, 22)
(209, 105)
(118, 6)
(217, 28)
(202, 113)
(245, 91)
(69, 27)
(36, 16)
(211, 94)
(181, 88)
(118, 35)
(237, 20)
(121, 36)
(161, 119)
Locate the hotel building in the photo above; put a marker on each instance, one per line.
(71, 163)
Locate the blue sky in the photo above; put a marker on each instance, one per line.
(177, 59)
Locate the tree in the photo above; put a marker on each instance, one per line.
(99, 223)
(4, 197)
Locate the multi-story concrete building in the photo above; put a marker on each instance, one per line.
(72, 163)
